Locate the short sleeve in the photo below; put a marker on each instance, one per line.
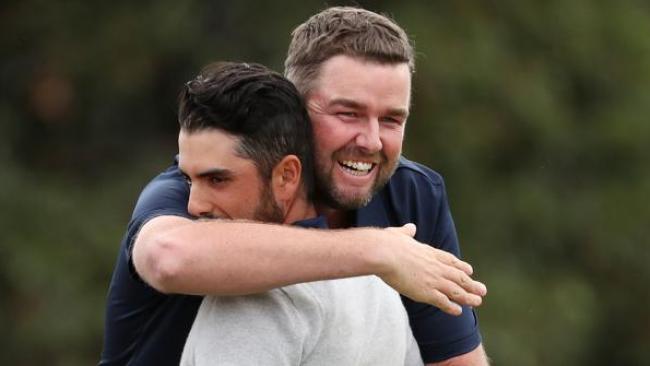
(166, 194)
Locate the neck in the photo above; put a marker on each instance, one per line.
(336, 218)
(298, 210)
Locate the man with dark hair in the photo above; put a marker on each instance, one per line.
(353, 69)
(244, 144)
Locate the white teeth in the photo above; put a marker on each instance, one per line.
(357, 166)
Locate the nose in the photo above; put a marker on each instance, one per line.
(197, 205)
(368, 138)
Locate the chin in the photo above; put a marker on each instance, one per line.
(352, 200)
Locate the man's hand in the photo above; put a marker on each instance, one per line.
(429, 275)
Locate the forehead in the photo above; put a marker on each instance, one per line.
(211, 148)
(346, 77)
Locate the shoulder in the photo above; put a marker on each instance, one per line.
(410, 173)
(248, 329)
(416, 194)
(291, 311)
(167, 193)
(415, 189)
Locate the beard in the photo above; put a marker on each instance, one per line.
(335, 197)
(268, 210)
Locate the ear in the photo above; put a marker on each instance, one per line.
(286, 179)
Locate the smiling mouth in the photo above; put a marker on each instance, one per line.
(358, 168)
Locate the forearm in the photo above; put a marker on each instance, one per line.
(219, 257)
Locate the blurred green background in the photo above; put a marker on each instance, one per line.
(536, 112)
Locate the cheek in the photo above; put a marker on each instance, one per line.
(239, 205)
(331, 135)
(325, 140)
(392, 142)
(324, 125)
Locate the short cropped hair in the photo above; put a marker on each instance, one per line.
(257, 105)
(344, 31)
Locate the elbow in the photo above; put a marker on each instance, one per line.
(160, 263)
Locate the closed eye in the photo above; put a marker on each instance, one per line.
(347, 114)
(217, 179)
(394, 120)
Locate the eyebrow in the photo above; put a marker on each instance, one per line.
(346, 103)
(214, 172)
(395, 112)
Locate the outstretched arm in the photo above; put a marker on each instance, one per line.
(178, 255)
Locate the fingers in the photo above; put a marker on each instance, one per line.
(407, 229)
(451, 260)
(458, 294)
(449, 297)
(468, 284)
(479, 288)
(448, 288)
(460, 288)
(442, 302)
(431, 275)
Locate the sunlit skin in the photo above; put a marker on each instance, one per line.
(222, 183)
(358, 110)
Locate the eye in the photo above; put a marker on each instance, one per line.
(216, 180)
(392, 120)
(347, 114)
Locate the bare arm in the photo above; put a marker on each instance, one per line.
(178, 255)
(477, 357)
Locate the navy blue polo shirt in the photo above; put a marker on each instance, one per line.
(146, 327)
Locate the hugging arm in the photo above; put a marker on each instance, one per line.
(175, 254)
(178, 255)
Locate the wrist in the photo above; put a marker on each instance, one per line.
(374, 251)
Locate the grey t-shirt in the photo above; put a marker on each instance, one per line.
(351, 321)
